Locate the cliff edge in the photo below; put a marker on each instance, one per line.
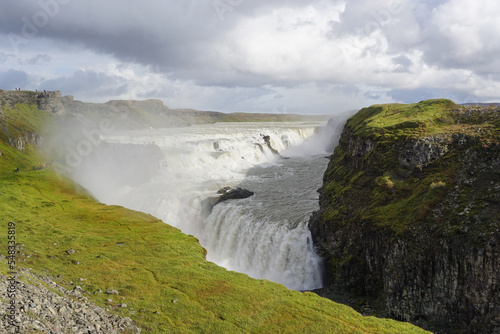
(51, 101)
(408, 224)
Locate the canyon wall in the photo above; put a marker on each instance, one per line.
(408, 225)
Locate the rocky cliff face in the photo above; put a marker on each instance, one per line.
(21, 141)
(409, 215)
(51, 101)
(48, 100)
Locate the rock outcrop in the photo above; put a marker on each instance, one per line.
(267, 140)
(225, 194)
(409, 222)
(51, 101)
(228, 193)
(20, 142)
(47, 100)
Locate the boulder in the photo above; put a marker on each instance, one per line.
(237, 193)
(226, 193)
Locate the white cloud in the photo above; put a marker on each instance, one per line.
(286, 44)
(465, 33)
(306, 55)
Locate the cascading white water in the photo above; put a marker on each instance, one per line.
(217, 152)
(265, 236)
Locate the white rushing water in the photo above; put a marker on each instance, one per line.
(266, 235)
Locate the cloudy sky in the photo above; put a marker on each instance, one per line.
(280, 56)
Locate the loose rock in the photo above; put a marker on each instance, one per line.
(51, 313)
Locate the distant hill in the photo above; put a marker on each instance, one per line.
(135, 114)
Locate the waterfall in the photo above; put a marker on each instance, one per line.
(260, 235)
(261, 246)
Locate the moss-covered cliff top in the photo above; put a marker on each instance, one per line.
(429, 117)
(397, 164)
(161, 274)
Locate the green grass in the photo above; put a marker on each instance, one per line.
(21, 120)
(403, 120)
(156, 264)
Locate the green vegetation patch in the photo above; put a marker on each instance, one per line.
(403, 120)
(21, 120)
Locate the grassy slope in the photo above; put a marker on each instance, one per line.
(155, 266)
